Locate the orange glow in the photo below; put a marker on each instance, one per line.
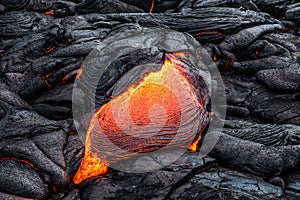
(90, 166)
(257, 53)
(215, 57)
(194, 146)
(69, 78)
(208, 32)
(48, 75)
(51, 12)
(152, 89)
(181, 54)
(45, 80)
(51, 49)
(20, 160)
(79, 72)
(152, 6)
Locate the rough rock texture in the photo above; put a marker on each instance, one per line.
(254, 43)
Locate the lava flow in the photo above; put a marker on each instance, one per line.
(152, 6)
(161, 107)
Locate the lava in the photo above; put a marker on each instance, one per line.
(69, 78)
(46, 81)
(194, 146)
(153, 117)
(51, 12)
(215, 57)
(208, 32)
(152, 6)
(20, 160)
(79, 72)
(90, 166)
(50, 49)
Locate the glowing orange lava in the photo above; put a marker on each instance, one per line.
(51, 49)
(79, 72)
(194, 146)
(145, 98)
(46, 81)
(51, 12)
(90, 166)
(152, 6)
(20, 160)
(208, 32)
(215, 57)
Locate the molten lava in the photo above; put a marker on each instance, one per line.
(50, 49)
(215, 57)
(51, 12)
(194, 146)
(153, 116)
(20, 160)
(152, 6)
(46, 81)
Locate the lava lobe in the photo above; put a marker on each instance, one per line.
(161, 110)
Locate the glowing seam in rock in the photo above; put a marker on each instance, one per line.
(20, 160)
(152, 6)
(51, 12)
